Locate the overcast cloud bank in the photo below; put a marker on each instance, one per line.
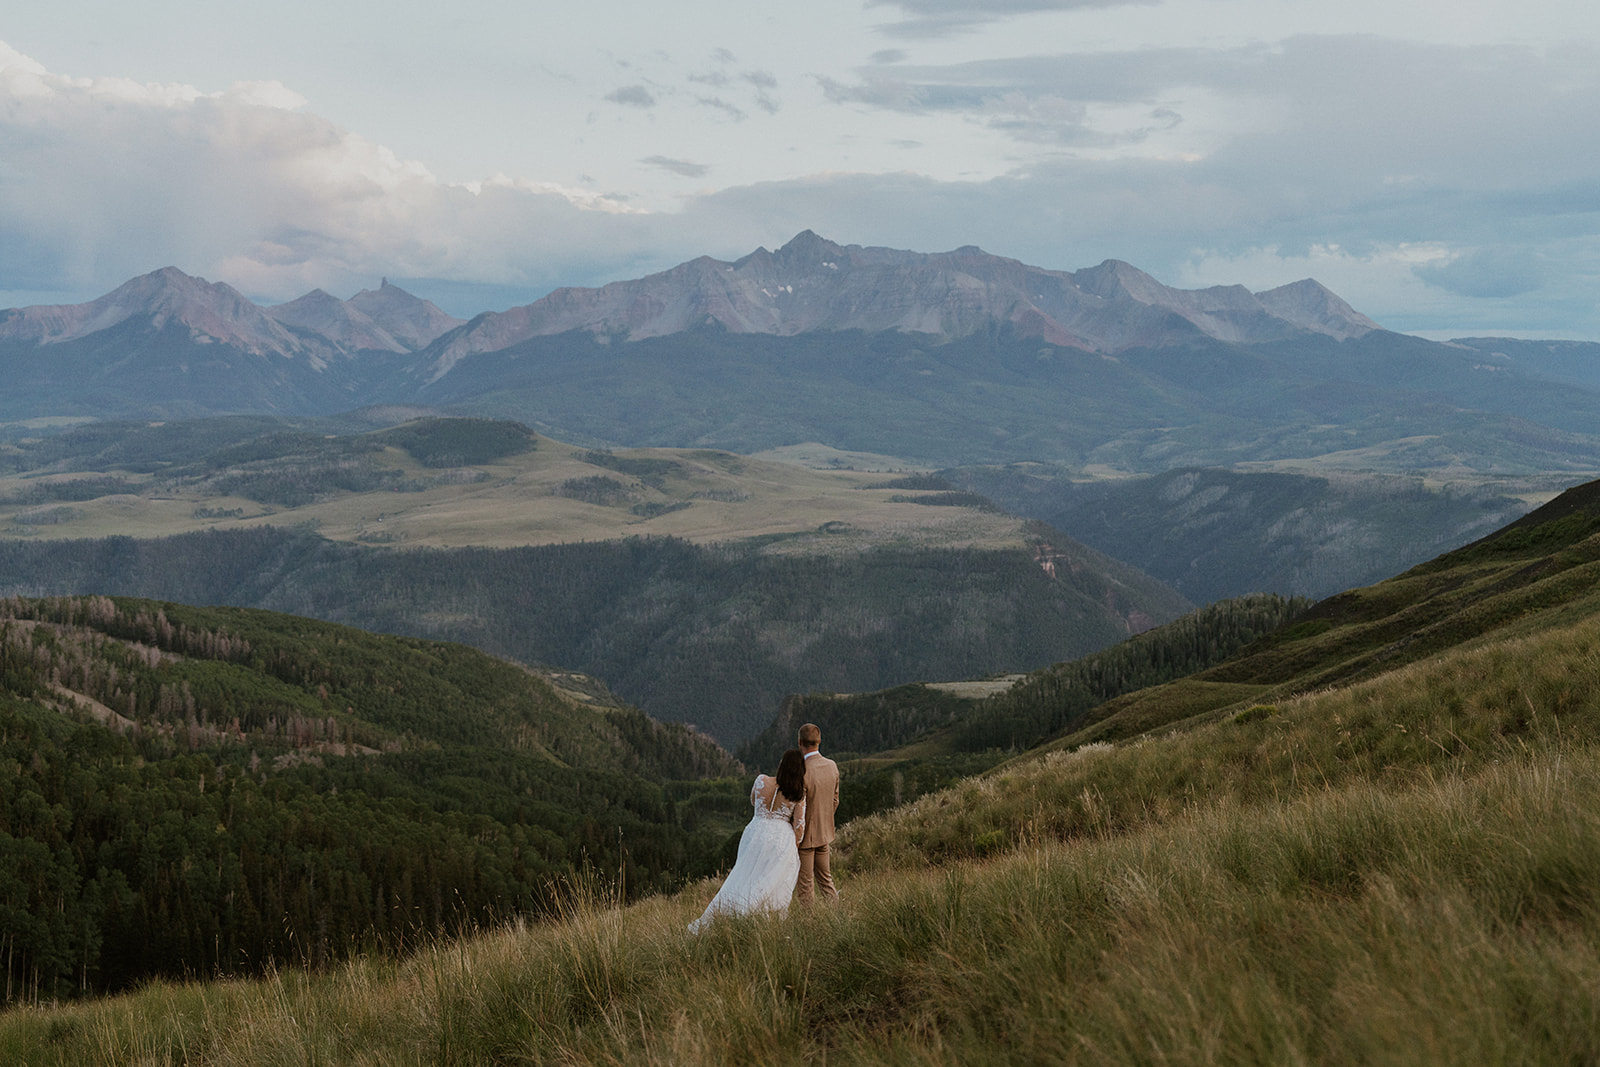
(1438, 187)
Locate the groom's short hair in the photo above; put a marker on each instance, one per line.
(810, 735)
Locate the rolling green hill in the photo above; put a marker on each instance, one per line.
(435, 482)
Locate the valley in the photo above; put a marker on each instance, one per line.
(1302, 848)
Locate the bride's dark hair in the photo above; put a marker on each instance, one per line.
(792, 775)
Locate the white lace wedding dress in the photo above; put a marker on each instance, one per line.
(763, 876)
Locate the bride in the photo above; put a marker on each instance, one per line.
(763, 876)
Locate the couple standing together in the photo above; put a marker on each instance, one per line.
(784, 850)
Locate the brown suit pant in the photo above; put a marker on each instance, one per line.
(814, 872)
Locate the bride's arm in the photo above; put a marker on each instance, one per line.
(797, 819)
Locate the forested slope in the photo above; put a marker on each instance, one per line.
(188, 791)
(716, 635)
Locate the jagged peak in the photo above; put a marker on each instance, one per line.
(807, 246)
(1114, 277)
(166, 278)
(314, 297)
(1311, 305)
(170, 287)
(1301, 286)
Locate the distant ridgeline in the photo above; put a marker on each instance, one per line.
(716, 636)
(200, 791)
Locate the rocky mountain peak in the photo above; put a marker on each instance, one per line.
(323, 313)
(811, 283)
(806, 249)
(212, 311)
(412, 321)
(1114, 279)
(1312, 306)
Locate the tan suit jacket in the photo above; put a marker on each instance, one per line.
(822, 800)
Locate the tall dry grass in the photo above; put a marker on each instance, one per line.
(1450, 922)
(1447, 716)
(1405, 872)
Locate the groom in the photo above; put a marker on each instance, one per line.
(822, 799)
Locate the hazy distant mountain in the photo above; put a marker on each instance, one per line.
(169, 344)
(1577, 362)
(322, 313)
(812, 284)
(1212, 534)
(211, 312)
(947, 359)
(410, 320)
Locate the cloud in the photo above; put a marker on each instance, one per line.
(765, 86)
(717, 103)
(942, 18)
(677, 166)
(1490, 273)
(102, 180)
(632, 96)
(1429, 185)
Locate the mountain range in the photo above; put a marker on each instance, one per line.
(809, 284)
(316, 325)
(943, 359)
(812, 284)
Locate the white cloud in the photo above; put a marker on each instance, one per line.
(1429, 184)
(105, 178)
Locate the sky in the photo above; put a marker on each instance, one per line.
(1435, 162)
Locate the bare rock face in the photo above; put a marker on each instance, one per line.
(813, 284)
(386, 319)
(317, 325)
(1311, 306)
(412, 321)
(212, 311)
(325, 314)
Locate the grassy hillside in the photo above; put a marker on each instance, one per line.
(1397, 860)
(1539, 570)
(1213, 533)
(897, 744)
(213, 791)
